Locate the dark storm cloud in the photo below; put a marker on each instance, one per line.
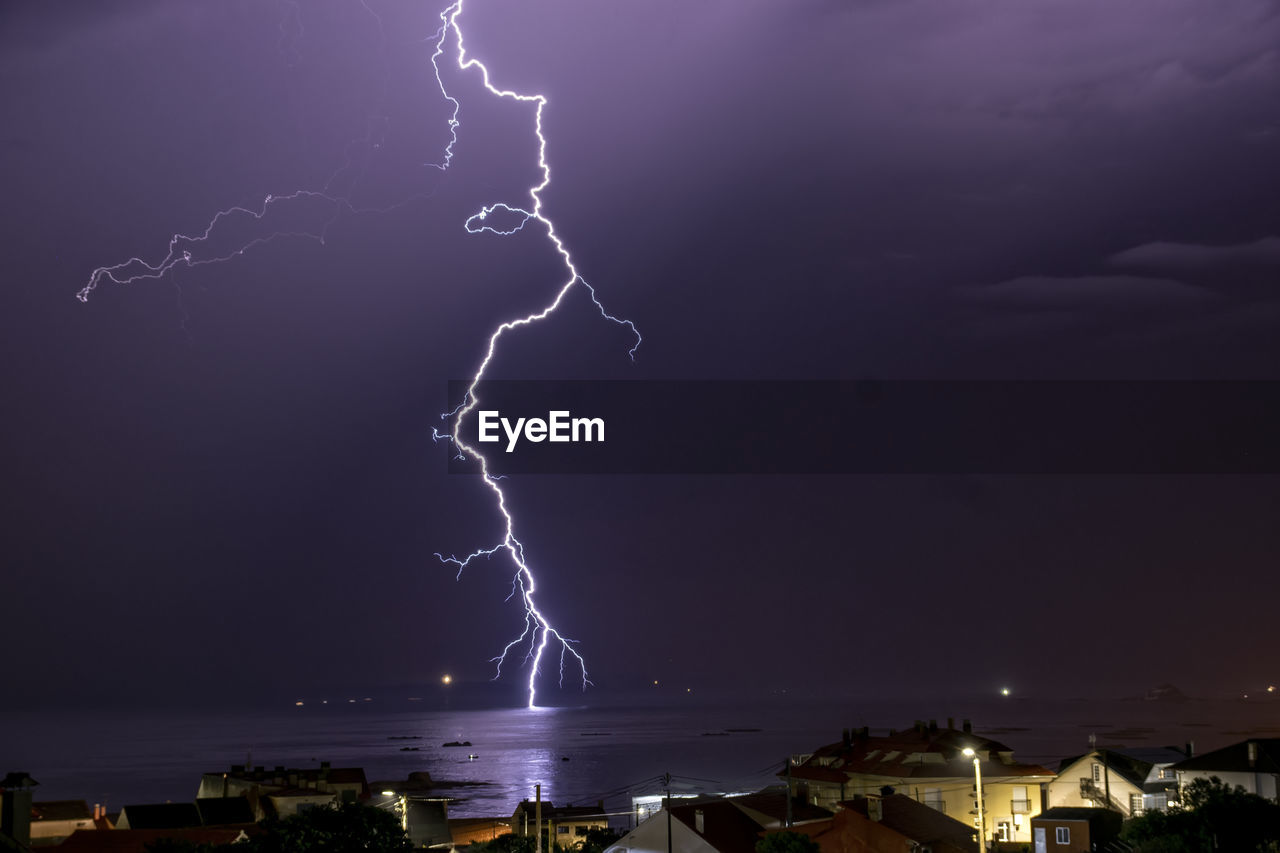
(1103, 293)
(1194, 259)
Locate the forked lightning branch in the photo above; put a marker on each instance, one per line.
(537, 634)
(558, 427)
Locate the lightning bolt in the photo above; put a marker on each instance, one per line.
(538, 632)
(538, 635)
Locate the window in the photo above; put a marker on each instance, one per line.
(933, 799)
(1097, 772)
(562, 830)
(581, 831)
(1021, 803)
(1135, 805)
(1062, 834)
(1002, 831)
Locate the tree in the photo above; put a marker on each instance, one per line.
(349, 827)
(1213, 816)
(598, 839)
(786, 842)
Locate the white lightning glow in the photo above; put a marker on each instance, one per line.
(538, 632)
(190, 251)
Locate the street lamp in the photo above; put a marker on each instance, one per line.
(977, 786)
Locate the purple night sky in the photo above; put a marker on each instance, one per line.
(236, 459)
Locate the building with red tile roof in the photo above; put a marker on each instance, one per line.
(893, 823)
(927, 763)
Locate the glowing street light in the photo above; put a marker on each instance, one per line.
(969, 752)
(447, 680)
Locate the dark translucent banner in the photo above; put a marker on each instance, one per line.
(870, 427)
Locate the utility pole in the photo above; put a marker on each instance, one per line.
(666, 781)
(1106, 777)
(537, 815)
(788, 792)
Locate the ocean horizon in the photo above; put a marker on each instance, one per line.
(580, 755)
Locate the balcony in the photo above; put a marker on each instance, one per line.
(937, 805)
(1089, 790)
(1020, 807)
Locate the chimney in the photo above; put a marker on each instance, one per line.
(15, 808)
(1191, 749)
(968, 727)
(1253, 753)
(699, 821)
(933, 727)
(951, 724)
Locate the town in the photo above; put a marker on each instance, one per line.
(942, 788)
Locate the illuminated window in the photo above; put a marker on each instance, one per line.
(1002, 830)
(1097, 772)
(1062, 834)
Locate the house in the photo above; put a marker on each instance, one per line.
(927, 763)
(426, 820)
(701, 825)
(1252, 764)
(564, 825)
(231, 812)
(768, 808)
(55, 820)
(283, 791)
(1130, 781)
(1067, 830)
(224, 811)
(894, 823)
(159, 816)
